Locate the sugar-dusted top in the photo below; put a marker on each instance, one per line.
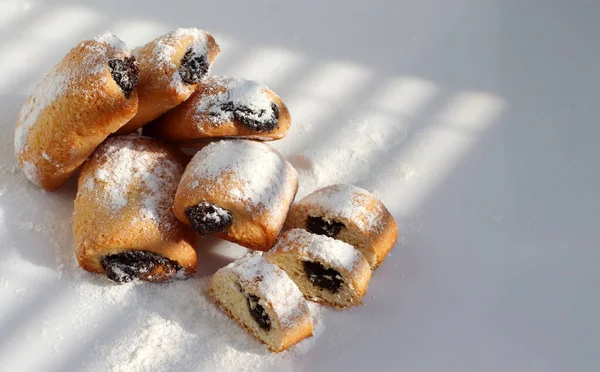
(334, 253)
(349, 202)
(113, 41)
(129, 162)
(44, 94)
(265, 178)
(164, 49)
(63, 77)
(272, 285)
(222, 90)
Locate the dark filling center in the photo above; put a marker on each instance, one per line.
(194, 67)
(317, 225)
(318, 275)
(207, 218)
(126, 73)
(258, 312)
(126, 266)
(255, 119)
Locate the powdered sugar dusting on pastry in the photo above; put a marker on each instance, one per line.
(321, 247)
(272, 285)
(126, 161)
(164, 51)
(241, 92)
(113, 41)
(262, 173)
(58, 82)
(349, 202)
(43, 96)
(30, 171)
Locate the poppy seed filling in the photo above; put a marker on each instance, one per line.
(208, 218)
(126, 74)
(319, 226)
(126, 266)
(258, 313)
(253, 118)
(194, 67)
(322, 277)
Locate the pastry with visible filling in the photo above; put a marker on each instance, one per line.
(350, 214)
(326, 270)
(225, 107)
(87, 96)
(171, 67)
(123, 221)
(239, 190)
(264, 300)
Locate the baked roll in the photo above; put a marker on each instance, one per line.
(171, 67)
(326, 270)
(350, 214)
(225, 107)
(241, 190)
(85, 97)
(123, 221)
(261, 298)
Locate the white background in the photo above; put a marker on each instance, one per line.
(475, 121)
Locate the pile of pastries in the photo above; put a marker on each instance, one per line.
(120, 117)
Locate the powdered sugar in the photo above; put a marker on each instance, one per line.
(240, 92)
(126, 161)
(31, 171)
(349, 202)
(164, 50)
(61, 78)
(43, 96)
(113, 41)
(216, 215)
(334, 253)
(264, 177)
(272, 285)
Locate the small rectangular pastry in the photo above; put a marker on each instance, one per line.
(84, 98)
(326, 270)
(123, 220)
(241, 190)
(171, 67)
(264, 300)
(225, 107)
(350, 214)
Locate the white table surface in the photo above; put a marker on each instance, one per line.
(475, 121)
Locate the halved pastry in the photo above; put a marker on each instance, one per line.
(326, 270)
(264, 300)
(350, 214)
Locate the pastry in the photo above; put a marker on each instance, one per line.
(171, 67)
(84, 98)
(225, 107)
(123, 221)
(264, 300)
(350, 214)
(239, 189)
(326, 270)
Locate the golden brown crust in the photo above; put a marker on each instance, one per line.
(254, 226)
(295, 246)
(183, 124)
(102, 229)
(68, 129)
(157, 90)
(291, 336)
(375, 243)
